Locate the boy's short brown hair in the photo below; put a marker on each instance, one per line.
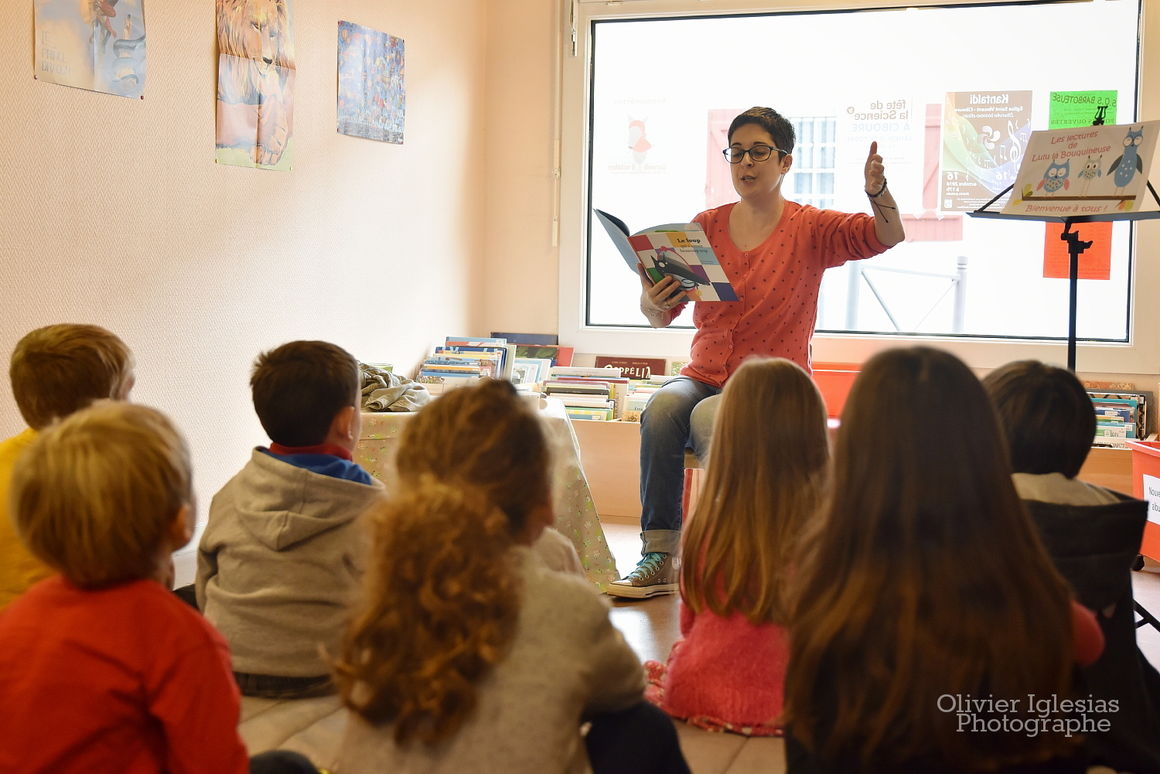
(94, 495)
(59, 369)
(299, 387)
(1047, 416)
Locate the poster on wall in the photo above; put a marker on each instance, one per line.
(372, 94)
(984, 134)
(255, 91)
(97, 45)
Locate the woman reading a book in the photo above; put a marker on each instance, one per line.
(774, 252)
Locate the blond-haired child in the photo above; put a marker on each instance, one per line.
(282, 553)
(103, 668)
(55, 370)
(765, 478)
(468, 654)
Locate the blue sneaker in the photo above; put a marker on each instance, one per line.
(655, 574)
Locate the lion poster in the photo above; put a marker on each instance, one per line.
(371, 90)
(255, 94)
(97, 45)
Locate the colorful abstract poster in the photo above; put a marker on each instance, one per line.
(1080, 108)
(372, 93)
(97, 45)
(1085, 171)
(255, 93)
(984, 134)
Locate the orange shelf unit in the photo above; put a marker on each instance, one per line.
(1146, 465)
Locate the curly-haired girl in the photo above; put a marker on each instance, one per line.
(468, 653)
(764, 480)
(931, 631)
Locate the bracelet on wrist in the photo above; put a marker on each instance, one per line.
(881, 190)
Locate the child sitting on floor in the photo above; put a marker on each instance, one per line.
(930, 630)
(467, 653)
(55, 371)
(1093, 534)
(104, 669)
(764, 481)
(283, 550)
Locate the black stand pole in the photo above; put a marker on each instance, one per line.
(1075, 246)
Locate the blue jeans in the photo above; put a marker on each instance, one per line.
(678, 415)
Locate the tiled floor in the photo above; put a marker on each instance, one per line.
(651, 627)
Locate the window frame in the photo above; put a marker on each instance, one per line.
(1140, 355)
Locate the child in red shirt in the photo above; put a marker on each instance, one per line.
(102, 668)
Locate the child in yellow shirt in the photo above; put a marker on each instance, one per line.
(55, 371)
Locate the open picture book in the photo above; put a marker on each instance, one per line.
(679, 250)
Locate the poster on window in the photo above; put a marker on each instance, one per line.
(892, 120)
(372, 94)
(255, 90)
(1081, 108)
(1093, 171)
(984, 134)
(97, 45)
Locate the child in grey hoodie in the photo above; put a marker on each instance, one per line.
(282, 551)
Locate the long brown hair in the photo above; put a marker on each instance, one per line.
(442, 596)
(925, 578)
(764, 478)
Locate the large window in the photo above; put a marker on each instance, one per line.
(949, 93)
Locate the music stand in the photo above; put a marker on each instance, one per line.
(1075, 246)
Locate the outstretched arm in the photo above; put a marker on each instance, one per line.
(887, 221)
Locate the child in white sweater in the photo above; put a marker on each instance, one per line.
(468, 654)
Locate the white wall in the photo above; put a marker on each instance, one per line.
(517, 292)
(115, 213)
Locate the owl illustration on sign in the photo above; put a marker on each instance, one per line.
(1056, 177)
(1091, 170)
(1129, 162)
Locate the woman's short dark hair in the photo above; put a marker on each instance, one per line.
(771, 121)
(1046, 415)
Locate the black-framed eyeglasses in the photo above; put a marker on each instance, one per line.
(758, 153)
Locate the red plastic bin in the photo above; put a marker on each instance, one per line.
(1146, 462)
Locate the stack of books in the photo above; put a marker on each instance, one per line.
(528, 373)
(1120, 417)
(640, 390)
(462, 360)
(588, 393)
